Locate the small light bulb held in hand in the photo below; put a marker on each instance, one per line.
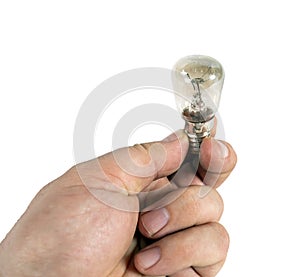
(198, 82)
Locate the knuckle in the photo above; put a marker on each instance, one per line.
(222, 240)
(209, 202)
(141, 147)
(219, 204)
(141, 151)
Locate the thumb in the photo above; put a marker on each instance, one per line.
(134, 168)
(128, 171)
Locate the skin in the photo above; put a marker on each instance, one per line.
(67, 231)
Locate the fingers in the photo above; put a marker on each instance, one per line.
(199, 250)
(199, 247)
(207, 271)
(187, 272)
(217, 160)
(190, 209)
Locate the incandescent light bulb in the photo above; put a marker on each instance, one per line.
(198, 82)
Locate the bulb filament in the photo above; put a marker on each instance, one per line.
(197, 111)
(197, 104)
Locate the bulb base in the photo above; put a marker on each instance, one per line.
(197, 131)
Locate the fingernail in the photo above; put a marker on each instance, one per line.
(174, 136)
(221, 149)
(149, 257)
(155, 220)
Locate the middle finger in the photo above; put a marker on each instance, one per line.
(195, 206)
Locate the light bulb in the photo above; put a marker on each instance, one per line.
(198, 82)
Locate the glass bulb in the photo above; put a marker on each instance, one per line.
(198, 82)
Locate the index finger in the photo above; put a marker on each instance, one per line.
(217, 160)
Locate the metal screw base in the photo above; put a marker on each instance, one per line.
(196, 132)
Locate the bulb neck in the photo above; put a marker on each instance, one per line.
(197, 131)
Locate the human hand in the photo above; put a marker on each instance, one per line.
(67, 231)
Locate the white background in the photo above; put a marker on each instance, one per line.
(54, 53)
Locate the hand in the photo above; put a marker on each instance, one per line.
(67, 231)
